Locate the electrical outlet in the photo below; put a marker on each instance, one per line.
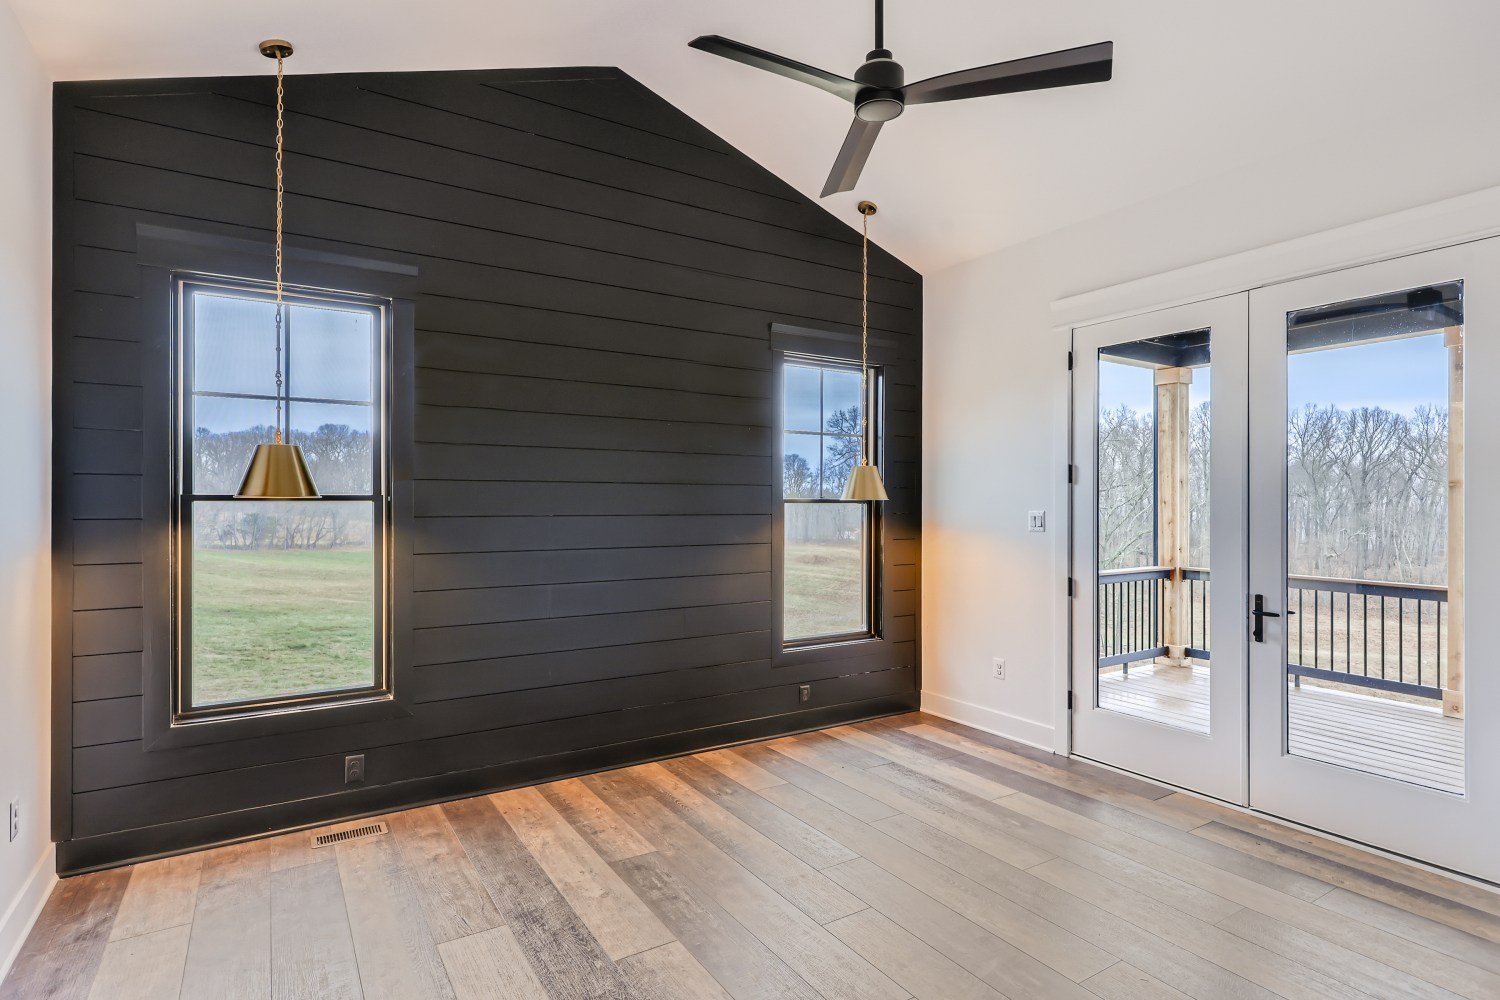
(1036, 520)
(354, 769)
(804, 693)
(999, 669)
(15, 820)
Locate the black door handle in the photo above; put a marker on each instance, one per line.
(1260, 614)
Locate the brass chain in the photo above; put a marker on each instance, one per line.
(280, 101)
(864, 344)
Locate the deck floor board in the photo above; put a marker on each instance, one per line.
(1379, 735)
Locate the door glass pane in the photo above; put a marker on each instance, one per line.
(1151, 633)
(283, 599)
(1374, 644)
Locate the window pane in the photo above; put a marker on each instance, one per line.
(225, 433)
(234, 344)
(331, 353)
(335, 439)
(803, 409)
(840, 456)
(841, 401)
(283, 599)
(800, 460)
(824, 571)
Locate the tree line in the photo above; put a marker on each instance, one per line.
(1367, 491)
(340, 461)
(824, 523)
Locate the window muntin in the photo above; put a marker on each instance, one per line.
(279, 603)
(827, 543)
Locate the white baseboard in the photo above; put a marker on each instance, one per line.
(22, 912)
(990, 720)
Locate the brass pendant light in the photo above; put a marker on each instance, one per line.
(864, 482)
(277, 470)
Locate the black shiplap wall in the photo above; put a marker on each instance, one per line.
(592, 474)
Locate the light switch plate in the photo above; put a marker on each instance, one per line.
(14, 825)
(1036, 520)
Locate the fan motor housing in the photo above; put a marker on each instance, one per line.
(880, 98)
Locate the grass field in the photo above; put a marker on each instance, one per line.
(274, 622)
(824, 595)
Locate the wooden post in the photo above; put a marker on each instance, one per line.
(1453, 686)
(1172, 437)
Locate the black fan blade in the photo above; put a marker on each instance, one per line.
(852, 156)
(780, 65)
(1085, 64)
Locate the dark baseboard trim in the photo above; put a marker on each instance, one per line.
(78, 857)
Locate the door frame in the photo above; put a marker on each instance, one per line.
(1442, 224)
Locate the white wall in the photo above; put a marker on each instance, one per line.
(995, 413)
(26, 457)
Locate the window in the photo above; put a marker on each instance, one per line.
(827, 551)
(278, 604)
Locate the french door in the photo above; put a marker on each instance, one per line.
(1373, 708)
(1159, 544)
(1281, 601)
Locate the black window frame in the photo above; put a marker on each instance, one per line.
(184, 286)
(870, 554)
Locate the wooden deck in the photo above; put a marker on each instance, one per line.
(1384, 736)
(909, 856)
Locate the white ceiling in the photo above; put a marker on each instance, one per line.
(1202, 88)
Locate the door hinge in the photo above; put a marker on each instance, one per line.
(1070, 586)
(1071, 478)
(1070, 701)
(1070, 361)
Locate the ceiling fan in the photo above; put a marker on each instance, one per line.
(879, 91)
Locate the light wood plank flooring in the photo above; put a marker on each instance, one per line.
(908, 857)
(1384, 736)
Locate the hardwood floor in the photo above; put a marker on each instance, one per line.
(909, 857)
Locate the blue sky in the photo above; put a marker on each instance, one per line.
(1399, 375)
(328, 356)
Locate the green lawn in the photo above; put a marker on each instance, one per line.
(273, 622)
(824, 595)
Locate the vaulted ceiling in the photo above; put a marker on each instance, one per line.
(1201, 89)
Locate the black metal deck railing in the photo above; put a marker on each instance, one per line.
(1130, 626)
(1387, 636)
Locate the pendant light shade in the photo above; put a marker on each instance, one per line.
(864, 484)
(277, 470)
(864, 481)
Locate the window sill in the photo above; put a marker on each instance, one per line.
(827, 649)
(206, 730)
